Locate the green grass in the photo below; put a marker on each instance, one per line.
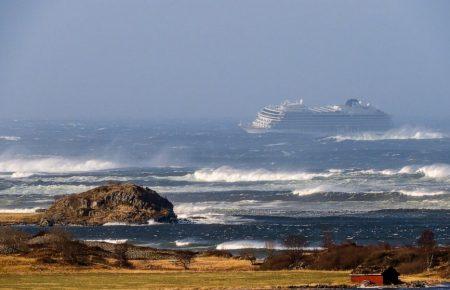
(241, 279)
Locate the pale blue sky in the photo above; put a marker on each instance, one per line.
(220, 59)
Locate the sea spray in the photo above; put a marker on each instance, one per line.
(230, 174)
(403, 133)
(21, 167)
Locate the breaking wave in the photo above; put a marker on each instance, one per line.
(435, 171)
(311, 190)
(110, 241)
(402, 195)
(248, 244)
(21, 167)
(45, 190)
(20, 210)
(394, 134)
(188, 242)
(10, 138)
(211, 212)
(422, 192)
(255, 244)
(229, 174)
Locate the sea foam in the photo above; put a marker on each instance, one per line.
(229, 174)
(403, 133)
(110, 241)
(312, 190)
(434, 171)
(20, 210)
(24, 167)
(422, 192)
(10, 138)
(256, 244)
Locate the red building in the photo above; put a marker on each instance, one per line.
(375, 275)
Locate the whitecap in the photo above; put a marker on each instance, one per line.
(111, 241)
(10, 138)
(403, 133)
(310, 190)
(434, 171)
(152, 222)
(54, 164)
(256, 244)
(109, 224)
(421, 192)
(45, 190)
(229, 174)
(20, 210)
(20, 174)
(186, 242)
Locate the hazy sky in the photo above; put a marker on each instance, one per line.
(203, 59)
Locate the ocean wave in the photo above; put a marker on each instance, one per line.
(422, 192)
(45, 190)
(229, 174)
(402, 195)
(20, 210)
(10, 138)
(188, 242)
(24, 167)
(256, 244)
(111, 241)
(403, 133)
(311, 190)
(211, 212)
(19, 174)
(112, 224)
(435, 171)
(153, 222)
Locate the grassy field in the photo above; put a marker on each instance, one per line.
(18, 272)
(206, 272)
(179, 279)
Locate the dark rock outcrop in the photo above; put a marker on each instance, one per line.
(127, 203)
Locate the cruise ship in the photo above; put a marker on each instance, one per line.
(295, 117)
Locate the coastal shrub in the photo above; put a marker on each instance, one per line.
(426, 240)
(278, 261)
(249, 255)
(46, 260)
(120, 252)
(270, 248)
(295, 245)
(414, 267)
(444, 272)
(184, 259)
(327, 239)
(12, 240)
(60, 243)
(215, 253)
(346, 256)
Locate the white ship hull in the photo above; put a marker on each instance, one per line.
(295, 118)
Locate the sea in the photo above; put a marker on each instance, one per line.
(234, 190)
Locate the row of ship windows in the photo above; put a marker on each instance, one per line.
(327, 119)
(323, 116)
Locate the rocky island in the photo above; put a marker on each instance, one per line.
(122, 203)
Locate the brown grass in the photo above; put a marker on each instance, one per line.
(19, 218)
(206, 272)
(20, 264)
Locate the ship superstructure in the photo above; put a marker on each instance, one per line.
(295, 117)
